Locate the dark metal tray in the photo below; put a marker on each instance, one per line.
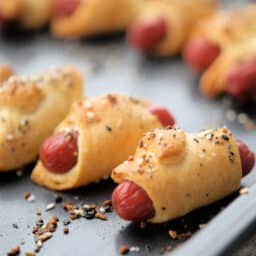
(110, 65)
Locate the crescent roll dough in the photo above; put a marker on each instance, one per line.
(10, 9)
(181, 172)
(228, 27)
(181, 16)
(109, 128)
(35, 13)
(30, 109)
(93, 17)
(213, 81)
(31, 14)
(5, 72)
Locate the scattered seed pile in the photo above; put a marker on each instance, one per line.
(43, 230)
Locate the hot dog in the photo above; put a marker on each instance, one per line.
(163, 115)
(217, 33)
(59, 152)
(131, 201)
(241, 79)
(247, 157)
(104, 125)
(199, 53)
(39, 102)
(65, 8)
(146, 34)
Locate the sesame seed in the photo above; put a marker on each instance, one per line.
(243, 191)
(201, 226)
(30, 253)
(50, 207)
(123, 249)
(231, 115)
(134, 249)
(242, 118)
(31, 198)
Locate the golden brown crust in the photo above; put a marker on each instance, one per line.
(94, 17)
(180, 17)
(35, 14)
(228, 26)
(109, 128)
(10, 9)
(213, 82)
(5, 72)
(31, 107)
(31, 14)
(196, 170)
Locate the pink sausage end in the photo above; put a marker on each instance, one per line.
(163, 115)
(241, 79)
(146, 34)
(247, 157)
(200, 53)
(65, 8)
(132, 203)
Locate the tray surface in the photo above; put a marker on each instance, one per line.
(108, 65)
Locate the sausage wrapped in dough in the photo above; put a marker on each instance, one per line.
(83, 18)
(162, 26)
(30, 14)
(233, 72)
(173, 173)
(98, 134)
(31, 107)
(213, 35)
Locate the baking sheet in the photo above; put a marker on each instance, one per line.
(109, 65)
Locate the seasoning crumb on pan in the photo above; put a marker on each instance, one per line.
(241, 118)
(174, 235)
(19, 173)
(29, 197)
(143, 224)
(107, 202)
(44, 231)
(66, 222)
(101, 216)
(65, 230)
(14, 251)
(88, 211)
(243, 191)
(134, 249)
(50, 207)
(38, 212)
(58, 199)
(15, 225)
(201, 226)
(123, 249)
(30, 253)
(165, 249)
